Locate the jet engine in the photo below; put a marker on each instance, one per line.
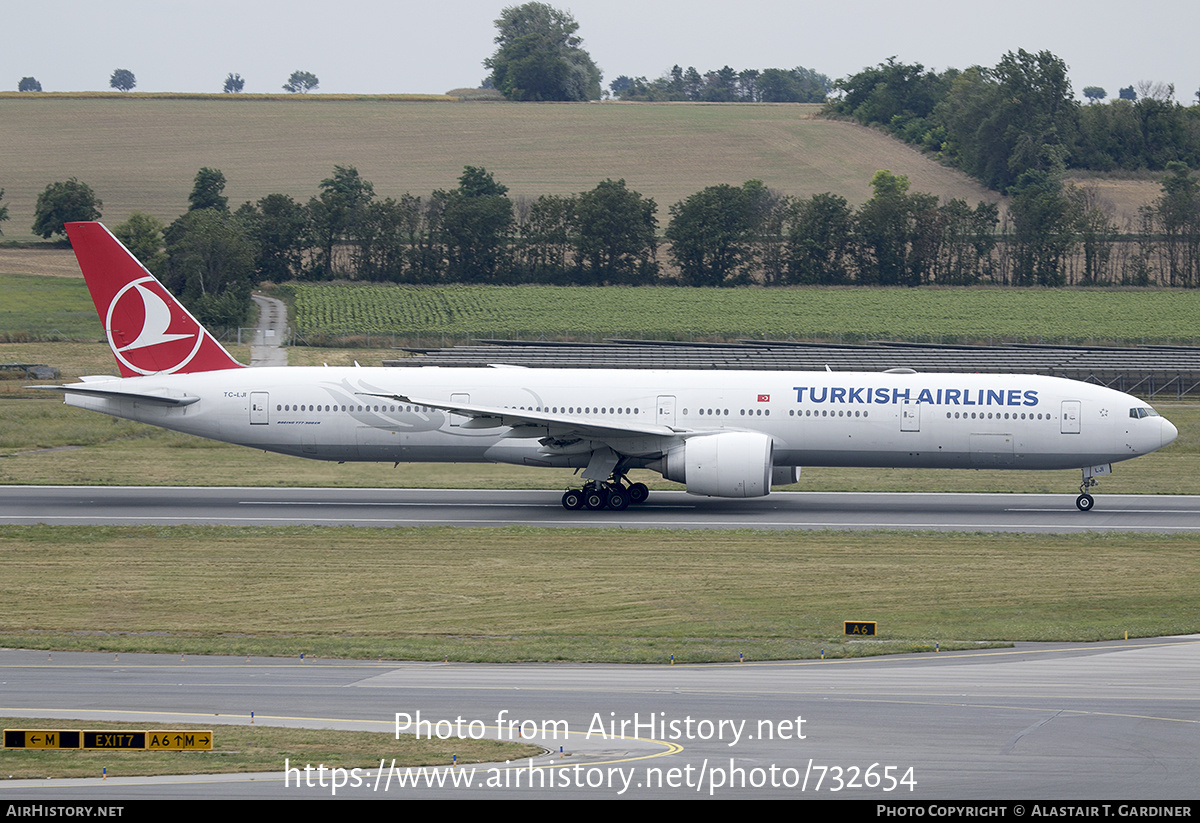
(729, 464)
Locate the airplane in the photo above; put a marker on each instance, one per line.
(731, 434)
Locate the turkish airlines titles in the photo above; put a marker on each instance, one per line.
(886, 396)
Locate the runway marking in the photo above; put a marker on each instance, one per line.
(441, 503)
(625, 522)
(642, 507)
(1113, 511)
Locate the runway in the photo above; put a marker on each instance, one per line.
(1039, 722)
(1030, 513)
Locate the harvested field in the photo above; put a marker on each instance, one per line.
(143, 153)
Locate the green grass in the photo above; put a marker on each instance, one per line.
(849, 314)
(35, 308)
(516, 594)
(245, 748)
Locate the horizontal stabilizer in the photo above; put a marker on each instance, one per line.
(158, 399)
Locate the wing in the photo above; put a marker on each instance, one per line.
(558, 426)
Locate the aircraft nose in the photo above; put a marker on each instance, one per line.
(1169, 432)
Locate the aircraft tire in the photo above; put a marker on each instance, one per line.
(638, 493)
(572, 500)
(618, 499)
(595, 499)
(1084, 502)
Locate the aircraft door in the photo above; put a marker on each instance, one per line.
(910, 417)
(666, 410)
(458, 419)
(1070, 417)
(259, 400)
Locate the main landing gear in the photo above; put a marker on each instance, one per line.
(617, 494)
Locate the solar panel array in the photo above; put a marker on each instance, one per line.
(1150, 371)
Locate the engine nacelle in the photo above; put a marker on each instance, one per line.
(730, 464)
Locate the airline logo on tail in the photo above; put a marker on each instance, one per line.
(139, 323)
(148, 330)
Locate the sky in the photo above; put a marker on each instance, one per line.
(373, 46)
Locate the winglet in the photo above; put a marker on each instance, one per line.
(149, 331)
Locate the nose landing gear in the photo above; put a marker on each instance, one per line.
(1085, 501)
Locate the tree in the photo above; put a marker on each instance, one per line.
(1094, 94)
(623, 84)
(3, 210)
(890, 94)
(547, 229)
(29, 84)
(721, 86)
(885, 232)
(475, 226)
(1129, 94)
(280, 229)
(1044, 224)
(122, 80)
(616, 240)
(338, 214)
(540, 58)
(968, 238)
(301, 82)
(799, 85)
(710, 234)
(818, 240)
(234, 83)
(65, 202)
(1018, 116)
(1096, 232)
(142, 234)
(1177, 215)
(210, 264)
(206, 191)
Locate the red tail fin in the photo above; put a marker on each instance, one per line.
(148, 330)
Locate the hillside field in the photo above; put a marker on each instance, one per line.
(143, 153)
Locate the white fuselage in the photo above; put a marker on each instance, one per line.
(812, 418)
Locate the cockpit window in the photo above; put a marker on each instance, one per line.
(1142, 411)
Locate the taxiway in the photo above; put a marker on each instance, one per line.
(1041, 721)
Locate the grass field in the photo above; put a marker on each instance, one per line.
(849, 314)
(139, 153)
(587, 595)
(38, 307)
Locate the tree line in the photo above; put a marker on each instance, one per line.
(727, 85)
(721, 236)
(1020, 115)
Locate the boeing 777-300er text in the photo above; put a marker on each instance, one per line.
(721, 433)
